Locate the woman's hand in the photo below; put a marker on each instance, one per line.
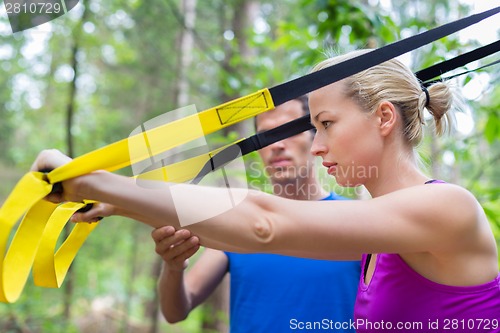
(50, 159)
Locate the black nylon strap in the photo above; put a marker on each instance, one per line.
(459, 61)
(299, 125)
(430, 82)
(263, 139)
(313, 81)
(254, 143)
(305, 84)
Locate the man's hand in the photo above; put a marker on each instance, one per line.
(175, 247)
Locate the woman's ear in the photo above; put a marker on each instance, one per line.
(387, 116)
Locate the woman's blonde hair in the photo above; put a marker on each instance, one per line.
(394, 82)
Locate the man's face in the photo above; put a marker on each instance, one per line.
(289, 159)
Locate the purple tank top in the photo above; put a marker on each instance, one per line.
(398, 299)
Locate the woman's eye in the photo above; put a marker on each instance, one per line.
(326, 124)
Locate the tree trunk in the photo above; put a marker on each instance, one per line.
(244, 13)
(70, 111)
(152, 307)
(186, 41)
(181, 96)
(136, 228)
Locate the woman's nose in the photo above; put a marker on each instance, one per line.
(318, 148)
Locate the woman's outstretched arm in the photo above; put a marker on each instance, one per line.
(426, 218)
(403, 221)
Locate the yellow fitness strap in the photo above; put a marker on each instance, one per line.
(37, 234)
(49, 270)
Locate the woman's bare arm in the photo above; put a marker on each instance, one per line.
(427, 218)
(403, 221)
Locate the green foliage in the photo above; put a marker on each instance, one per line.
(492, 125)
(350, 23)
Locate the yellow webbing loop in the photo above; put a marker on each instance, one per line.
(48, 270)
(35, 240)
(15, 267)
(116, 156)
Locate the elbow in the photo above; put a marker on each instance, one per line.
(263, 226)
(174, 313)
(264, 232)
(174, 318)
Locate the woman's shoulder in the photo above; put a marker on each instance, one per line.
(449, 194)
(442, 202)
(444, 192)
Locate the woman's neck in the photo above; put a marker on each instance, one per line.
(395, 174)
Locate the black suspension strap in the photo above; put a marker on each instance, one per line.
(459, 61)
(299, 125)
(313, 81)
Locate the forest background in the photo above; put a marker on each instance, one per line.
(87, 79)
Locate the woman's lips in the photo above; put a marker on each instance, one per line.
(331, 167)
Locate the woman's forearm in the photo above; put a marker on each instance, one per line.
(129, 199)
(238, 227)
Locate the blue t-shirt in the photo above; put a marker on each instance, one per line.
(275, 293)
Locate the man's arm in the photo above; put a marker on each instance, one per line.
(181, 292)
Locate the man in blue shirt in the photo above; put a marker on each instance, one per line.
(268, 293)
